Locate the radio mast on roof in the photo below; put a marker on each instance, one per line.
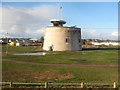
(59, 11)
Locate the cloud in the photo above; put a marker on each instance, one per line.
(31, 22)
(26, 21)
(96, 34)
(115, 34)
(90, 33)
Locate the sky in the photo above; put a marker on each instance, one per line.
(97, 20)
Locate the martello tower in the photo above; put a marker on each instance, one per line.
(62, 38)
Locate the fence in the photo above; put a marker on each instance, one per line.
(60, 85)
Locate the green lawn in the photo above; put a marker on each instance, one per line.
(12, 49)
(40, 73)
(37, 73)
(68, 57)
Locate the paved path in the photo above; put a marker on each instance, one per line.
(80, 65)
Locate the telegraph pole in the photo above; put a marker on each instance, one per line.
(7, 43)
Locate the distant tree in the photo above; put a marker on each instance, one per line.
(41, 39)
(83, 41)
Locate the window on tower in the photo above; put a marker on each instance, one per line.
(79, 40)
(67, 40)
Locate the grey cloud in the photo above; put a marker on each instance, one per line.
(26, 22)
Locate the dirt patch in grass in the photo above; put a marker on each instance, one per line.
(51, 75)
(37, 76)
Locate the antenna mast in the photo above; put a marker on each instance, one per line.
(59, 11)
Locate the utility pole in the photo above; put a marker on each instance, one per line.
(7, 43)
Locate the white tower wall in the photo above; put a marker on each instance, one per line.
(62, 38)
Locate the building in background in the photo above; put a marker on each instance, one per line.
(18, 41)
(106, 43)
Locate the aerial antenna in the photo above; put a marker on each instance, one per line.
(59, 10)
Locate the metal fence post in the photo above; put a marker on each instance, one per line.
(114, 85)
(46, 84)
(10, 84)
(81, 84)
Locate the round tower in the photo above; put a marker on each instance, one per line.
(62, 38)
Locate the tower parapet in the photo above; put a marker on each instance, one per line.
(58, 22)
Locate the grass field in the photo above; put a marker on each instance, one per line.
(67, 66)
